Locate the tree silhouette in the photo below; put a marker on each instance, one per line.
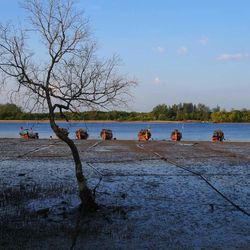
(65, 74)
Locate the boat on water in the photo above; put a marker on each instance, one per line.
(81, 134)
(218, 135)
(176, 135)
(64, 131)
(144, 135)
(28, 133)
(106, 134)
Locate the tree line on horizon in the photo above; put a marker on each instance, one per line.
(161, 112)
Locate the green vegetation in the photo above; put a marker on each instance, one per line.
(182, 111)
(162, 112)
(10, 112)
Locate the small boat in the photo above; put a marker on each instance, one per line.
(81, 134)
(176, 135)
(106, 134)
(144, 135)
(218, 135)
(27, 133)
(64, 131)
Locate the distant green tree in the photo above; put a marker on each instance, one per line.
(10, 111)
(216, 109)
(160, 112)
(235, 116)
(188, 108)
(181, 111)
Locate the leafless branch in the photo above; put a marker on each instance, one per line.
(71, 76)
(68, 76)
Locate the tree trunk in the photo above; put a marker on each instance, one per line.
(85, 193)
(87, 200)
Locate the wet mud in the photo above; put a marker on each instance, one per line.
(151, 195)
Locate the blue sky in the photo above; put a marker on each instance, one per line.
(178, 50)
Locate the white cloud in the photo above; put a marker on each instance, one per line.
(233, 57)
(160, 49)
(182, 50)
(157, 80)
(203, 41)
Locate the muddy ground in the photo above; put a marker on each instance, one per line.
(151, 195)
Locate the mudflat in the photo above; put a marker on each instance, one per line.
(151, 195)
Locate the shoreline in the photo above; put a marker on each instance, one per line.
(98, 121)
(182, 142)
(115, 121)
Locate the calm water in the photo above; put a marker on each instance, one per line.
(160, 131)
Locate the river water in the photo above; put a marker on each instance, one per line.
(125, 130)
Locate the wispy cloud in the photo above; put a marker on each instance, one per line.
(203, 41)
(182, 50)
(159, 49)
(233, 57)
(157, 80)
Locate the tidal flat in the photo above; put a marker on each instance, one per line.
(151, 195)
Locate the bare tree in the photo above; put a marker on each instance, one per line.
(67, 76)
